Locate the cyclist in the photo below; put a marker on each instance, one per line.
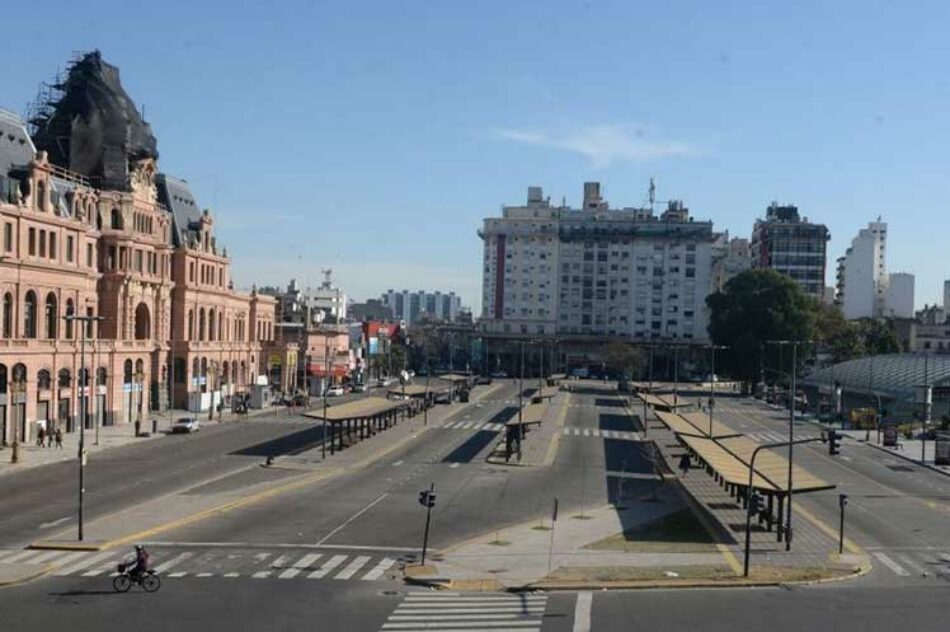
(141, 561)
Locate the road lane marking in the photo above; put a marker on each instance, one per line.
(454, 465)
(22, 555)
(582, 612)
(398, 463)
(377, 571)
(914, 566)
(84, 563)
(175, 561)
(203, 575)
(891, 564)
(352, 567)
(53, 523)
(354, 517)
(299, 565)
(177, 575)
(328, 566)
(44, 556)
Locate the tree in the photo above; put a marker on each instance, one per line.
(754, 307)
(838, 337)
(624, 358)
(879, 336)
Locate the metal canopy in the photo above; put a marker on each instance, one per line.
(361, 408)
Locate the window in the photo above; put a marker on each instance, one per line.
(89, 255)
(69, 248)
(42, 243)
(31, 241)
(43, 380)
(70, 311)
(8, 237)
(29, 315)
(7, 315)
(64, 378)
(52, 245)
(138, 260)
(116, 219)
(52, 316)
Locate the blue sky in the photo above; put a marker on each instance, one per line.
(373, 137)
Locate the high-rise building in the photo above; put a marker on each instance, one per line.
(790, 244)
(899, 300)
(595, 273)
(729, 258)
(862, 274)
(946, 296)
(411, 306)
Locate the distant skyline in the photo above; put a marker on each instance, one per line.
(373, 138)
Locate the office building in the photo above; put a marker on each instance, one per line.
(788, 243)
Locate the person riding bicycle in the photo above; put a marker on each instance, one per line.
(141, 561)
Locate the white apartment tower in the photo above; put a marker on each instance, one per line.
(899, 300)
(595, 272)
(862, 274)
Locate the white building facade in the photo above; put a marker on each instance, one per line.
(899, 299)
(411, 306)
(595, 271)
(862, 274)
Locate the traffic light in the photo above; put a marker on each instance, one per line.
(427, 499)
(834, 442)
(755, 503)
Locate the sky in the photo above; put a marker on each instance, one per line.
(373, 137)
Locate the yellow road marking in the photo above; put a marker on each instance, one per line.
(556, 439)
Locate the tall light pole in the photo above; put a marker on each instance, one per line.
(521, 402)
(712, 383)
(791, 429)
(84, 380)
(326, 387)
(18, 390)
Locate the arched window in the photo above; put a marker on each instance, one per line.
(242, 377)
(201, 324)
(127, 372)
(211, 326)
(191, 324)
(101, 376)
(70, 311)
(52, 315)
(116, 219)
(204, 367)
(19, 372)
(43, 380)
(29, 315)
(225, 374)
(83, 377)
(142, 322)
(65, 379)
(221, 326)
(139, 370)
(3, 378)
(7, 315)
(234, 369)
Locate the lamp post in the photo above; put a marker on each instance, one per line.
(18, 390)
(212, 372)
(791, 430)
(139, 379)
(521, 402)
(83, 380)
(326, 387)
(712, 383)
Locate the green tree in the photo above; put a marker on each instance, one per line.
(624, 358)
(879, 336)
(754, 307)
(838, 337)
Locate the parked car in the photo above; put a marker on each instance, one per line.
(500, 374)
(186, 425)
(483, 379)
(335, 391)
(359, 388)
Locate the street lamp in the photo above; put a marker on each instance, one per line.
(712, 383)
(18, 391)
(791, 429)
(139, 379)
(85, 320)
(212, 371)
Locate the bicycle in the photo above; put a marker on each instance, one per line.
(148, 580)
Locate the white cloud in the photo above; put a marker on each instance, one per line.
(602, 144)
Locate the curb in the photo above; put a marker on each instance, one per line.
(40, 572)
(932, 468)
(66, 545)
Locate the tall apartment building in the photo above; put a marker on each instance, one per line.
(91, 229)
(862, 274)
(729, 258)
(411, 306)
(594, 272)
(790, 244)
(899, 299)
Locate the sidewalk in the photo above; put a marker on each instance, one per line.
(539, 445)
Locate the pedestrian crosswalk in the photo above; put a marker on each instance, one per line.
(220, 561)
(474, 425)
(914, 562)
(603, 434)
(468, 612)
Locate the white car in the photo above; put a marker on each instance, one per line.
(186, 425)
(335, 391)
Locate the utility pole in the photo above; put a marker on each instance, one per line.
(84, 380)
(326, 385)
(712, 384)
(521, 403)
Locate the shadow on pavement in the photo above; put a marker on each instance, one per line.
(291, 444)
(622, 423)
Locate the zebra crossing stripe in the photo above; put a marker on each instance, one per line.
(87, 560)
(299, 565)
(377, 571)
(914, 566)
(352, 567)
(68, 559)
(891, 564)
(498, 613)
(586, 432)
(203, 575)
(175, 561)
(177, 575)
(328, 566)
(257, 575)
(22, 555)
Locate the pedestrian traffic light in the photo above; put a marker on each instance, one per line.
(755, 503)
(834, 442)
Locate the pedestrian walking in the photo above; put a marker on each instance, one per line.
(49, 439)
(59, 438)
(41, 437)
(685, 464)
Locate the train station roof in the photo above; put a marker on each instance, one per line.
(894, 376)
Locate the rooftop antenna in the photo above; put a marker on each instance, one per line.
(326, 276)
(652, 193)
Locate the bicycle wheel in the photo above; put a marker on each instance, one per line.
(151, 583)
(122, 583)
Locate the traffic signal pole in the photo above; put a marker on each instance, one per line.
(428, 499)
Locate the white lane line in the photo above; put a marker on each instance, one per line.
(474, 626)
(261, 575)
(87, 561)
(175, 561)
(353, 517)
(299, 565)
(377, 571)
(891, 564)
(566, 431)
(454, 465)
(177, 575)
(43, 556)
(69, 558)
(397, 463)
(22, 555)
(53, 523)
(582, 612)
(231, 575)
(914, 566)
(352, 567)
(328, 566)
(203, 575)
